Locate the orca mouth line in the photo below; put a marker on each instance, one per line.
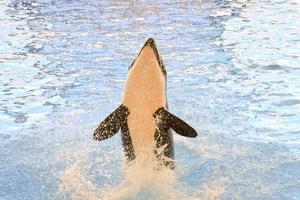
(151, 43)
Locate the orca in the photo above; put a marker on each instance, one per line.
(143, 116)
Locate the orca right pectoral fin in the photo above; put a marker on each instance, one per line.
(111, 124)
(175, 123)
(181, 127)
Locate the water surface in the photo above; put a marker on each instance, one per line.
(233, 73)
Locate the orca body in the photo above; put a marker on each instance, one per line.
(143, 116)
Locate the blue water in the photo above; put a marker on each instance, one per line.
(233, 73)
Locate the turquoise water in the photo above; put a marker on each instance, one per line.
(233, 73)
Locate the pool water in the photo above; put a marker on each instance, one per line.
(233, 73)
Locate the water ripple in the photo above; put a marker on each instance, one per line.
(232, 65)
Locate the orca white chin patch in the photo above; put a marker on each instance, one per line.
(144, 93)
(142, 117)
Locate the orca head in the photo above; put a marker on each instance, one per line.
(150, 44)
(145, 86)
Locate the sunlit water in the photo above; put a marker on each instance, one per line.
(233, 73)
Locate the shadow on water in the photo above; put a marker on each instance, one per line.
(64, 64)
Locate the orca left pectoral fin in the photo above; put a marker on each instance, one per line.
(111, 124)
(175, 123)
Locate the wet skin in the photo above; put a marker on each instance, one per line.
(142, 117)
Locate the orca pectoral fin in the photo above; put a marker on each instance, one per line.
(111, 124)
(177, 124)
